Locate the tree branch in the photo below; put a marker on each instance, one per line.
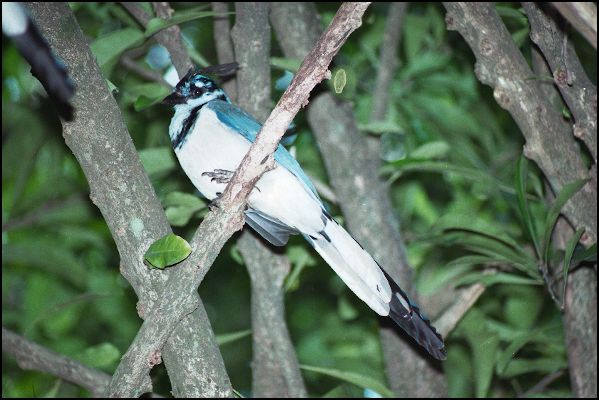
(222, 42)
(569, 76)
(388, 62)
(353, 169)
(275, 369)
(169, 38)
(501, 66)
(218, 226)
(123, 193)
(583, 16)
(31, 356)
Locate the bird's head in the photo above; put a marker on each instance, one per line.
(195, 90)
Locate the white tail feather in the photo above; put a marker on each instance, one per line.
(355, 267)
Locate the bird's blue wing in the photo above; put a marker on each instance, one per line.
(247, 126)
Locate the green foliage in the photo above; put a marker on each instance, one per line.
(472, 210)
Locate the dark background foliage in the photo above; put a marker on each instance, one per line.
(451, 157)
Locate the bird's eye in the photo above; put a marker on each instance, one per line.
(197, 91)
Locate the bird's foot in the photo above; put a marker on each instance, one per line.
(219, 175)
(215, 204)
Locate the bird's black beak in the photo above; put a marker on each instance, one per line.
(174, 99)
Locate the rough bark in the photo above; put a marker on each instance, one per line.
(275, 369)
(122, 191)
(388, 60)
(222, 42)
(353, 171)
(569, 76)
(583, 15)
(219, 225)
(31, 356)
(501, 66)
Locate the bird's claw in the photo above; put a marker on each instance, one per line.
(219, 175)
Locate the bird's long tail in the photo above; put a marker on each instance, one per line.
(362, 274)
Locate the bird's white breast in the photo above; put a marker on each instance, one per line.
(212, 145)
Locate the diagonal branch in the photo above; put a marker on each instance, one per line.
(32, 356)
(218, 226)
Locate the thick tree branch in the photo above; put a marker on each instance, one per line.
(501, 66)
(222, 42)
(122, 191)
(583, 15)
(275, 369)
(218, 226)
(353, 169)
(568, 74)
(32, 356)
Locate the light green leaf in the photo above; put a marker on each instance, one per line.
(285, 64)
(430, 150)
(109, 47)
(492, 279)
(157, 160)
(169, 250)
(362, 381)
(180, 207)
(226, 338)
(157, 24)
(529, 223)
(562, 198)
(103, 355)
(339, 80)
(380, 127)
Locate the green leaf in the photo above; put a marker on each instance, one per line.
(484, 345)
(104, 355)
(568, 259)
(339, 80)
(562, 198)
(500, 277)
(180, 207)
(507, 355)
(157, 160)
(285, 64)
(169, 250)
(380, 127)
(430, 150)
(108, 48)
(148, 94)
(585, 255)
(521, 178)
(157, 24)
(226, 338)
(362, 381)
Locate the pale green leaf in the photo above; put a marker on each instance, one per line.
(169, 250)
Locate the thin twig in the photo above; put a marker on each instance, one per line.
(467, 298)
(145, 73)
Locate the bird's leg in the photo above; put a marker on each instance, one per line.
(219, 175)
(215, 203)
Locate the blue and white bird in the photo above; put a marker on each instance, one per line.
(211, 136)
